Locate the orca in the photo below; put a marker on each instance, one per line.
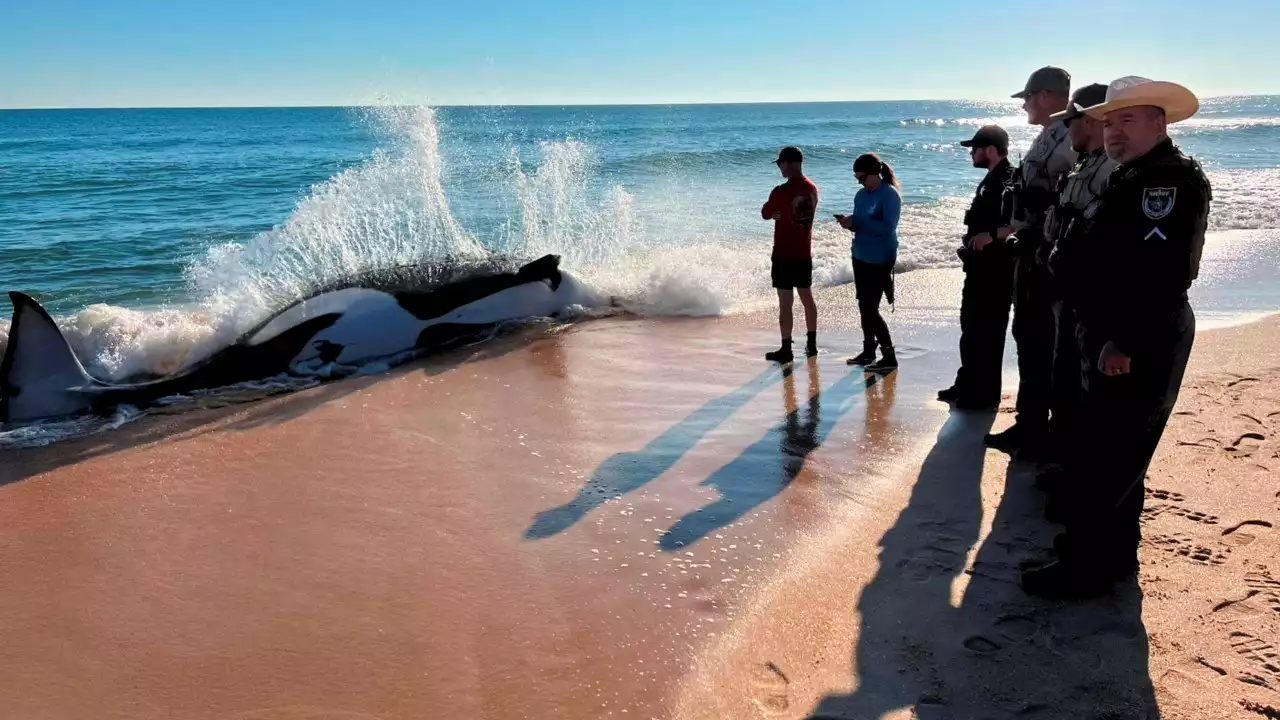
(41, 378)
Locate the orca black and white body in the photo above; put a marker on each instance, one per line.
(40, 376)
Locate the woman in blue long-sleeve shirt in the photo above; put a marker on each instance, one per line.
(876, 210)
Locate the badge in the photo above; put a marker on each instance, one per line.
(1158, 202)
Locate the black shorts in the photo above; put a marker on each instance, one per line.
(787, 274)
(872, 281)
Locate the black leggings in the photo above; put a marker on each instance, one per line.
(871, 282)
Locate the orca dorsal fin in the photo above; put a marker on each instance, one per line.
(40, 375)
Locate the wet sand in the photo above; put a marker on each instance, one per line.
(626, 518)
(553, 528)
(933, 625)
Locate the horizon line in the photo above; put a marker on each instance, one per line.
(327, 106)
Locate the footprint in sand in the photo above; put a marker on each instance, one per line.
(931, 561)
(771, 690)
(1262, 656)
(1267, 587)
(1239, 608)
(1208, 442)
(1265, 711)
(1169, 495)
(1017, 627)
(1192, 678)
(1185, 547)
(1192, 515)
(1246, 532)
(1246, 444)
(980, 645)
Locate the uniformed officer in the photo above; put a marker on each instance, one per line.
(1033, 190)
(988, 277)
(1128, 276)
(1063, 224)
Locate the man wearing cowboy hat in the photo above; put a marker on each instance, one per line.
(1137, 257)
(1063, 225)
(1033, 192)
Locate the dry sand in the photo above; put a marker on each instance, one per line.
(625, 519)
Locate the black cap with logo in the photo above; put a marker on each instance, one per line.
(1085, 97)
(989, 136)
(1053, 79)
(789, 154)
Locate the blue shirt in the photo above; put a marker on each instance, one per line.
(875, 224)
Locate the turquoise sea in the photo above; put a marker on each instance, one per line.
(156, 234)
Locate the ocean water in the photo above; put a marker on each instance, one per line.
(155, 236)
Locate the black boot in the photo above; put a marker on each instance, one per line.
(1053, 481)
(1010, 440)
(866, 357)
(1070, 578)
(951, 394)
(975, 405)
(888, 360)
(811, 345)
(781, 355)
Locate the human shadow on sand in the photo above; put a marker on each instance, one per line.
(997, 652)
(765, 469)
(626, 472)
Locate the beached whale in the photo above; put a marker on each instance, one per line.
(42, 378)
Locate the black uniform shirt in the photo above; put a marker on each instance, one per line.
(988, 212)
(1141, 249)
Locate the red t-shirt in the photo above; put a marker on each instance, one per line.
(797, 201)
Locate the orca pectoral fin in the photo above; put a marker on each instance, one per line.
(546, 268)
(40, 375)
(289, 344)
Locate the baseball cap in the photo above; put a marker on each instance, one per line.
(1085, 97)
(989, 136)
(1047, 78)
(789, 154)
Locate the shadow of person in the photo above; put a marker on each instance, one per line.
(626, 472)
(997, 652)
(767, 467)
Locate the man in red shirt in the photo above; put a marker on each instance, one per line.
(792, 206)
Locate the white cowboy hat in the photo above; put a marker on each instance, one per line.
(1177, 102)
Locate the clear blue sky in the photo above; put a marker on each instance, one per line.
(95, 53)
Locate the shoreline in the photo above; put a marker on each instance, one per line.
(201, 549)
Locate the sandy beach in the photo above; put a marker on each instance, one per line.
(634, 518)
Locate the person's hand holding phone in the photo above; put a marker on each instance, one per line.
(846, 221)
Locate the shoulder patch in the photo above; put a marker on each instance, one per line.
(1158, 202)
